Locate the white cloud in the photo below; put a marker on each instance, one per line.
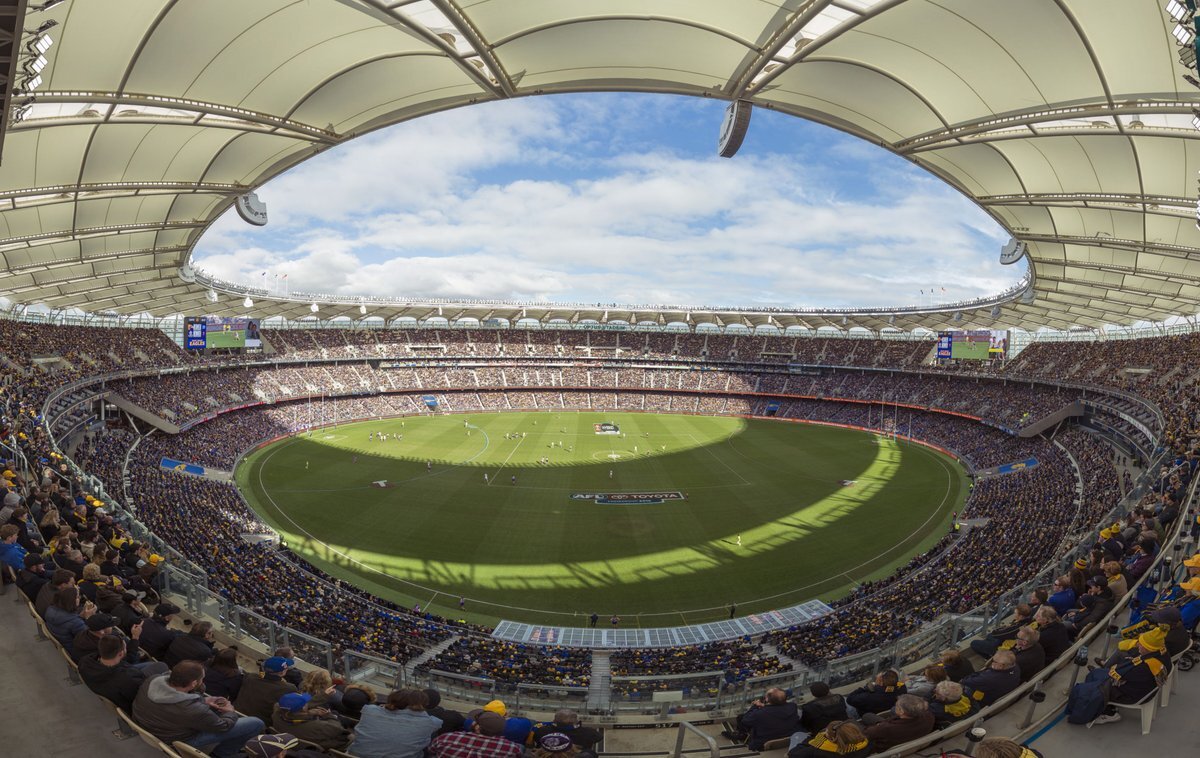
(502, 202)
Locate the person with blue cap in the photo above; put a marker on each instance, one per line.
(317, 725)
(259, 694)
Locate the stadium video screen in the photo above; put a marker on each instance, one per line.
(194, 332)
(979, 345)
(203, 332)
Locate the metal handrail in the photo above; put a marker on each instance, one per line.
(1052, 667)
(687, 726)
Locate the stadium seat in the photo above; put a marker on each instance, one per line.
(42, 634)
(72, 669)
(1146, 707)
(148, 738)
(1168, 686)
(777, 744)
(122, 732)
(187, 751)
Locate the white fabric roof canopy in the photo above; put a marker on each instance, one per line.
(1068, 121)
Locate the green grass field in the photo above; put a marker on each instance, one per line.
(530, 551)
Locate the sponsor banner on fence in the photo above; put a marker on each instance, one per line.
(628, 498)
(186, 468)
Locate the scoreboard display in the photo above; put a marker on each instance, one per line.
(195, 330)
(979, 345)
(205, 332)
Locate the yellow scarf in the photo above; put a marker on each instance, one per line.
(829, 746)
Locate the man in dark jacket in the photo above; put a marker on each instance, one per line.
(1022, 616)
(997, 680)
(452, 721)
(33, 577)
(169, 707)
(129, 612)
(157, 636)
(1094, 606)
(880, 695)
(110, 675)
(59, 580)
(822, 710)
(1031, 658)
(909, 720)
(259, 694)
(196, 645)
(769, 719)
(566, 721)
(1053, 635)
(99, 625)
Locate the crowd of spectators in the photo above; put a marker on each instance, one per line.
(514, 663)
(299, 344)
(185, 396)
(1022, 518)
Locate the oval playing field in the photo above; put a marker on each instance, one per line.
(544, 517)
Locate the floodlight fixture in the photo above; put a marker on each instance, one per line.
(35, 65)
(1187, 56)
(248, 303)
(362, 309)
(1196, 117)
(40, 44)
(212, 296)
(1192, 80)
(44, 27)
(45, 6)
(1179, 10)
(314, 308)
(31, 83)
(1184, 34)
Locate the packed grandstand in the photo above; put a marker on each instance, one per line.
(1029, 525)
(1058, 590)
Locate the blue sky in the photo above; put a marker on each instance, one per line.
(615, 198)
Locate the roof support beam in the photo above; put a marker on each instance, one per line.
(754, 64)
(393, 11)
(1085, 199)
(71, 193)
(1137, 246)
(65, 235)
(466, 28)
(75, 261)
(1031, 117)
(270, 122)
(824, 39)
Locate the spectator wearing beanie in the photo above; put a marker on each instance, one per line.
(822, 710)
(317, 725)
(452, 721)
(157, 635)
(259, 694)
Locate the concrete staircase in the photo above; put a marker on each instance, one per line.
(600, 688)
(428, 655)
(786, 660)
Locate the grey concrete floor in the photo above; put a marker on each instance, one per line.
(41, 713)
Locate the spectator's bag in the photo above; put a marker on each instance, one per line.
(1088, 698)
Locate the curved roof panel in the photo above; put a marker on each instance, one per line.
(1068, 121)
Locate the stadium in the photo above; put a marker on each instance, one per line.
(243, 516)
